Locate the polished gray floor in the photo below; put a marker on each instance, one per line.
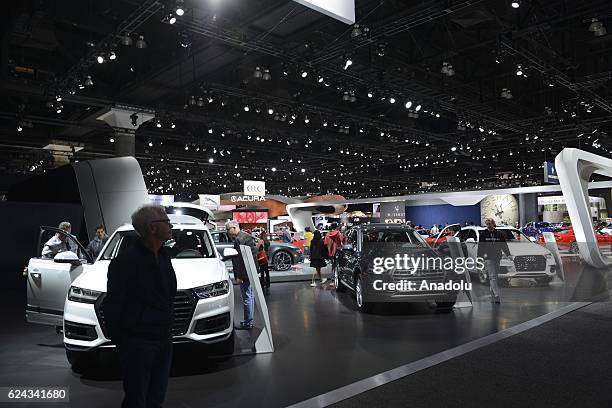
(321, 341)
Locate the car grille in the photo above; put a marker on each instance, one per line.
(184, 306)
(530, 263)
(212, 324)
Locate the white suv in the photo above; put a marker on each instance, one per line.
(527, 260)
(68, 290)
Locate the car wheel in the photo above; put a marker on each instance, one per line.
(363, 307)
(338, 284)
(574, 248)
(544, 281)
(81, 361)
(281, 261)
(483, 277)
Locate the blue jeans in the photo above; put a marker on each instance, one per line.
(248, 301)
(492, 267)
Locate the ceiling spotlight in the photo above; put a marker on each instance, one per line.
(303, 170)
(247, 108)
(134, 118)
(356, 31)
(126, 40)
(381, 49)
(519, 70)
(597, 28)
(266, 75)
(19, 127)
(59, 107)
(348, 63)
(408, 104)
(270, 111)
(392, 100)
(370, 94)
(141, 43)
(304, 74)
(444, 69)
(321, 79)
(211, 160)
(257, 73)
(324, 123)
(306, 120)
(200, 102)
(179, 10)
(273, 169)
(515, 4)
(454, 149)
(169, 19)
(58, 97)
(158, 123)
(172, 125)
(345, 96)
(353, 98)
(112, 56)
(100, 59)
(418, 108)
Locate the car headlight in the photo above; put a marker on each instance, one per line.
(212, 290)
(82, 295)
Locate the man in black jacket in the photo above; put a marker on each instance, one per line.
(240, 274)
(139, 309)
(491, 245)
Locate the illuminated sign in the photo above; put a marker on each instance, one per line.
(254, 188)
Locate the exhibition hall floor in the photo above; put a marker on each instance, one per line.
(322, 343)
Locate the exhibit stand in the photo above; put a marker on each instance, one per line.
(264, 342)
(551, 245)
(464, 298)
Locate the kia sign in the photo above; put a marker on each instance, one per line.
(254, 188)
(343, 10)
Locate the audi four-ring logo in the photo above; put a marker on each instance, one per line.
(255, 188)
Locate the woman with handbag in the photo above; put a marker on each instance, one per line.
(318, 255)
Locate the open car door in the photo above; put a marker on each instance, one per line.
(50, 276)
(447, 231)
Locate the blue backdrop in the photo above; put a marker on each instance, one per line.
(427, 215)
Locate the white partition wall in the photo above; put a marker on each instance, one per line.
(574, 168)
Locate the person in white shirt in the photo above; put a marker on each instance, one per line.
(59, 242)
(434, 230)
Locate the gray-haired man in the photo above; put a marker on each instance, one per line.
(59, 242)
(139, 309)
(240, 274)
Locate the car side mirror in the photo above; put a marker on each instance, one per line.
(348, 247)
(470, 240)
(229, 253)
(67, 257)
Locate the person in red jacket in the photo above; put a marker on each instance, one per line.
(262, 260)
(333, 242)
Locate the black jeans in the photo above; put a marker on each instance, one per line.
(264, 278)
(145, 367)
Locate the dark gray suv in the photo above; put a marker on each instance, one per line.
(359, 267)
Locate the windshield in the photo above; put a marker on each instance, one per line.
(394, 235)
(185, 243)
(513, 235)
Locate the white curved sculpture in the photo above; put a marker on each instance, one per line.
(574, 168)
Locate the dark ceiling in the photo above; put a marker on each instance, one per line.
(333, 130)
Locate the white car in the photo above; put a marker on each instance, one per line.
(527, 260)
(68, 290)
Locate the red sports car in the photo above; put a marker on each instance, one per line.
(567, 240)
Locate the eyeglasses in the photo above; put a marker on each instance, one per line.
(166, 221)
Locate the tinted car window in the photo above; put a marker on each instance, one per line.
(185, 243)
(513, 235)
(394, 235)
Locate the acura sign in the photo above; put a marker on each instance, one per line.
(254, 188)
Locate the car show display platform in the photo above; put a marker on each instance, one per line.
(321, 343)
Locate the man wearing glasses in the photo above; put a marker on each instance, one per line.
(242, 278)
(139, 309)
